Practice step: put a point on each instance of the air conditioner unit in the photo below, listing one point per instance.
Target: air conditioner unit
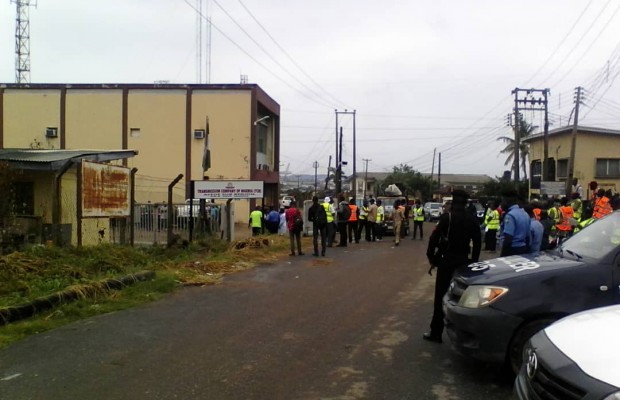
(51, 132)
(199, 134)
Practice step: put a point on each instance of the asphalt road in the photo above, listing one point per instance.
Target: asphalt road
(347, 326)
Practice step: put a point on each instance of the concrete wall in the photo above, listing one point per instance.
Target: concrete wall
(27, 114)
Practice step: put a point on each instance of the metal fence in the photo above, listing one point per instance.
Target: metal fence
(151, 223)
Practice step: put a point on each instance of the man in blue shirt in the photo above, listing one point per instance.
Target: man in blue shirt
(516, 226)
(536, 231)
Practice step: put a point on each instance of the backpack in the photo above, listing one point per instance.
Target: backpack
(320, 216)
(345, 212)
(298, 223)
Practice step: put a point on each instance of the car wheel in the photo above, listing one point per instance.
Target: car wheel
(514, 358)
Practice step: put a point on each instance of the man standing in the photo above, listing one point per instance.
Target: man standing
(342, 215)
(516, 226)
(329, 211)
(272, 220)
(491, 220)
(362, 221)
(448, 248)
(399, 216)
(372, 220)
(318, 215)
(536, 231)
(601, 205)
(379, 223)
(352, 224)
(256, 221)
(418, 219)
(294, 232)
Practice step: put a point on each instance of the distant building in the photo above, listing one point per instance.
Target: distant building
(372, 182)
(169, 125)
(597, 157)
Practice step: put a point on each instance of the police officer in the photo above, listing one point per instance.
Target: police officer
(448, 248)
(516, 228)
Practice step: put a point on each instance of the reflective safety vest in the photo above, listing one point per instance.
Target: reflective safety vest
(537, 212)
(419, 214)
(554, 215)
(353, 216)
(567, 213)
(583, 224)
(328, 211)
(492, 219)
(601, 207)
(363, 212)
(380, 214)
(257, 219)
(577, 207)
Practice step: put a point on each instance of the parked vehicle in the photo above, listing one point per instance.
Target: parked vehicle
(493, 307)
(285, 201)
(575, 358)
(432, 211)
(183, 211)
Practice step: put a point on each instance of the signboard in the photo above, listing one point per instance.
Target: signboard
(228, 189)
(553, 188)
(105, 190)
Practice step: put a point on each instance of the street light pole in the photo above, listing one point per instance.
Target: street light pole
(316, 166)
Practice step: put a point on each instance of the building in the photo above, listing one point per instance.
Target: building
(176, 129)
(596, 157)
(472, 183)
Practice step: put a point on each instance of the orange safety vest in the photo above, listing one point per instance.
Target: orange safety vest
(567, 212)
(601, 207)
(537, 214)
(353, 216)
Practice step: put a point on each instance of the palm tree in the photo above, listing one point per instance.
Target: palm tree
(525, 130)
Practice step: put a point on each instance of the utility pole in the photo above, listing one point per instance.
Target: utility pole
(439, 173)
(432, 173)
(339, 161)
(329, 167)
(366, 160)
(339, 167)
(573, 145)
(22, 40)
(531, 103)
(315, 165)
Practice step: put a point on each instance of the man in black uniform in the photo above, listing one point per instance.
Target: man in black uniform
(448, 249)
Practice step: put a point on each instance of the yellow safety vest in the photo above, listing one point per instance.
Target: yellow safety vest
(419, 214)
(257, 219)
(380, 214)
(330, 216)
(577, 207)
(492, 219)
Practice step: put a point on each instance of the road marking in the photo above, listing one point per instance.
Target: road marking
(8, 378)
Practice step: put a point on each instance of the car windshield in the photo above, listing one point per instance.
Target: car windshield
(479, 207)
(435, 206)
(596, 241)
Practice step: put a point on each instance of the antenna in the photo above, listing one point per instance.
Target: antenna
(203, 32)
(22, 40)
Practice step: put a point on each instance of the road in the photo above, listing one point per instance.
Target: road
(347, 326)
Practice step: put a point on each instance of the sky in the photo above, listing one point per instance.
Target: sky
(421, 75)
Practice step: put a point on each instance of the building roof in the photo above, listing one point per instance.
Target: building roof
(569, 129)
(52, 160)
(454, 179)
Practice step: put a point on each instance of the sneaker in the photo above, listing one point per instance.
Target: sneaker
(429, 336)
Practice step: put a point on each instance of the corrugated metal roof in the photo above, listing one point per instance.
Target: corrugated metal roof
(50, 160)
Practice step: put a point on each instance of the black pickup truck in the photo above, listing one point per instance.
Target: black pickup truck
(493, 307)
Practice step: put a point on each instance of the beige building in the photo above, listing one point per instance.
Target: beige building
(597, 157)
(170, 126)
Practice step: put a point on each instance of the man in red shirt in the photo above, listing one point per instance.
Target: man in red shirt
(293, 214)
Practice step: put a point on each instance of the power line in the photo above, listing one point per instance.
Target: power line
(288, 56)
(327, 103)
(252, 58)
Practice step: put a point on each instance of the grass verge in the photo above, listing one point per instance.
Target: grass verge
(40, 271)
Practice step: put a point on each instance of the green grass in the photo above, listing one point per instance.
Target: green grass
(41, 271)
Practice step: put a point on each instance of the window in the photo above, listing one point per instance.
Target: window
(562, 171)
(24, 198)
(262, 139)
(608, 167)
(134, 132)
(535, 173)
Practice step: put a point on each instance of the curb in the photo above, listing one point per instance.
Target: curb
(15, 313)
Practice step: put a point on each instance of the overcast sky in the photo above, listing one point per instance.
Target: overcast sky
(420, 74)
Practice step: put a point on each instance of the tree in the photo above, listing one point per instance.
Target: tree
(496, 186)
(525, 130)
(409, 181)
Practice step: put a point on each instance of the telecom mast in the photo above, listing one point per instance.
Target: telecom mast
(203, 32)
(22, 40)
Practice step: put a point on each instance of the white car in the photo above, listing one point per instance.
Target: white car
(577, 357)
(286, 201)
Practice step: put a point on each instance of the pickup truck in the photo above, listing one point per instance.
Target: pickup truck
(388, 208)
(493, 307)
